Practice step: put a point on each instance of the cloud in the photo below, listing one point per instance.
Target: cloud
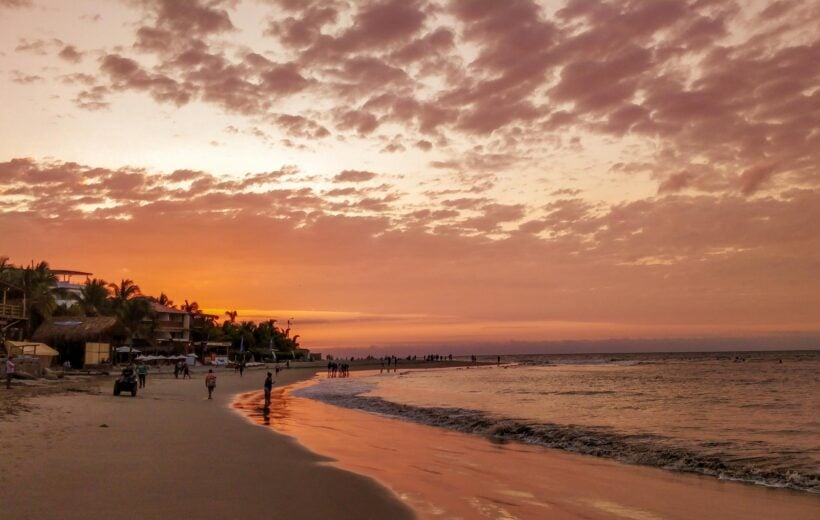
(15, 3)
(22, 78)
(70, 53)
(753, 178)
(645, 261)
(354, 176)
(190, 16)
(39, 46)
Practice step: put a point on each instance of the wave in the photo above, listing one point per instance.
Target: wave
(709, 458)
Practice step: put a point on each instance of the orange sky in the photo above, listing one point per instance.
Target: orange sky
(425, 171)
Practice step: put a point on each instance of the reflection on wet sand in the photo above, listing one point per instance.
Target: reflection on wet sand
(445, 474)
(252, 405)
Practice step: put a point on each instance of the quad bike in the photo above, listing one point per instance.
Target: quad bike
(126, 382)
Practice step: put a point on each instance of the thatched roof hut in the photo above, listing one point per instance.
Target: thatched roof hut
(97, 328)
(82, 341)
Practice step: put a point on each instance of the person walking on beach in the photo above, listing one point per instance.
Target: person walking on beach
(142, 371)
(186, 372)
(9, 371)
(268, 388)
(210, 382)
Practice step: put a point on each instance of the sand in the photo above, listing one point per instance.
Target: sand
(170, 453)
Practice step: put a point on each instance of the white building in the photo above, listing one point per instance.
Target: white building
(71, 282)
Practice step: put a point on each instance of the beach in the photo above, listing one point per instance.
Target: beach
(171, 452)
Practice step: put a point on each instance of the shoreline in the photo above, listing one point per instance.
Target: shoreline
(418, 461)
(170, 452)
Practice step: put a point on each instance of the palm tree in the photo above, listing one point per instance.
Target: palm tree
(94, 297)
(39, 285)
(192, 307)
(5, 267)
(231, 316)
(124, 291)
(133, 312)
(165, 300)
(138, 316)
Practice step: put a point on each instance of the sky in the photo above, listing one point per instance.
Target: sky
(414, 171)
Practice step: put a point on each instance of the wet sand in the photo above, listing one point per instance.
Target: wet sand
(170, 453)
(445, 474)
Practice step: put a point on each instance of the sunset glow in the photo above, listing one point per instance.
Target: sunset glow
(412, 171)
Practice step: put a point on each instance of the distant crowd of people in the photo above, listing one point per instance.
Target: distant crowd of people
(338, 369)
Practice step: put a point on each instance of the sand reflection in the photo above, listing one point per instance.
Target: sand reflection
(446, 474)
(252, 405)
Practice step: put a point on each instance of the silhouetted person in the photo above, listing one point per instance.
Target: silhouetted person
(210, 382)
(9, 370)
(268, 388)
(142, 371)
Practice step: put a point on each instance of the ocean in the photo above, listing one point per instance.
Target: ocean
(752, 417)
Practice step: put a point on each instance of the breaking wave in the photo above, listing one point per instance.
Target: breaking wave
(714, 458)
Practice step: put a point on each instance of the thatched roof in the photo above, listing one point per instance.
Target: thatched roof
(79, 329)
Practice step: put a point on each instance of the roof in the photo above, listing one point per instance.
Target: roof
(78, 329)
(10, 286)
(30, 348)
(69, 272)
(158, 307)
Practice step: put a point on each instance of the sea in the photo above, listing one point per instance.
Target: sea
(751, 417)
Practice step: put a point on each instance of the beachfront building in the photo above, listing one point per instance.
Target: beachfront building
(71, 285)
(13, 316)
(172, 328)
(83, 341)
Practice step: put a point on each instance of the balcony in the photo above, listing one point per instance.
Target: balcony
(12, 311)
(170, 325)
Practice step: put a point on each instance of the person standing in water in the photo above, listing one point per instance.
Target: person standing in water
(268, 388)
(210, 382)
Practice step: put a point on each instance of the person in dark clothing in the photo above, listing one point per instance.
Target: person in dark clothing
(142, 371)
(268, 388)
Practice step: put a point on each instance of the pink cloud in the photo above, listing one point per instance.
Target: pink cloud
(354, 176)
(70, 53)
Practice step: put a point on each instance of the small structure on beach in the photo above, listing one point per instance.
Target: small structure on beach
(40, 351)
(83, 341)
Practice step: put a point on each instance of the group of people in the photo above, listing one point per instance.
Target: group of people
(338, 369)
(395, 364)
(181, 367)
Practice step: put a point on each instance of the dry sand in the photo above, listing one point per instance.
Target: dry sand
(170, 453)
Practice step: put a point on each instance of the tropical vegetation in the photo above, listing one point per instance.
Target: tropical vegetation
(126, 302)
